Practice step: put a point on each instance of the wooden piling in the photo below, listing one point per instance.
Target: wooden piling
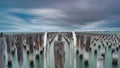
(59, 54)
(100, 62)
(19, 45)
(1, 52)
(114, 58)
(88, 42)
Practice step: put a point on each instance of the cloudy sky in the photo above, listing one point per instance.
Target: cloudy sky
(59, 15)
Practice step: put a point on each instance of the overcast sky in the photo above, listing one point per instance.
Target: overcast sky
(59, 15)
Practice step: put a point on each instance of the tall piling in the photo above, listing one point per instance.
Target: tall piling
(59, 54)
(19, 46)
(1, 51)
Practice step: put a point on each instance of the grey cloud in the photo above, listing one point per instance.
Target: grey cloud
(78, 13)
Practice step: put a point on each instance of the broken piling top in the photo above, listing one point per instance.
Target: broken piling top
(88, 41)
(59, 54)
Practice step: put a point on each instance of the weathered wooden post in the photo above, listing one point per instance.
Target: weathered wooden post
(25, 43)
(87, 49)
(41, 43)
(100, 62)
(77, 44)
(95, 49)
(88, 42)
(8, 41)
(37, 46)
(81, 45)
(103, 52)
(81, 42)
(59, 37)
(59, 54)
(1, 51)
(12, 44)
(114, 58)
(19, 46)
(30, 41)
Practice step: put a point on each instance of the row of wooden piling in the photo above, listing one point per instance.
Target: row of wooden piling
(106, 40)
(18, 42)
